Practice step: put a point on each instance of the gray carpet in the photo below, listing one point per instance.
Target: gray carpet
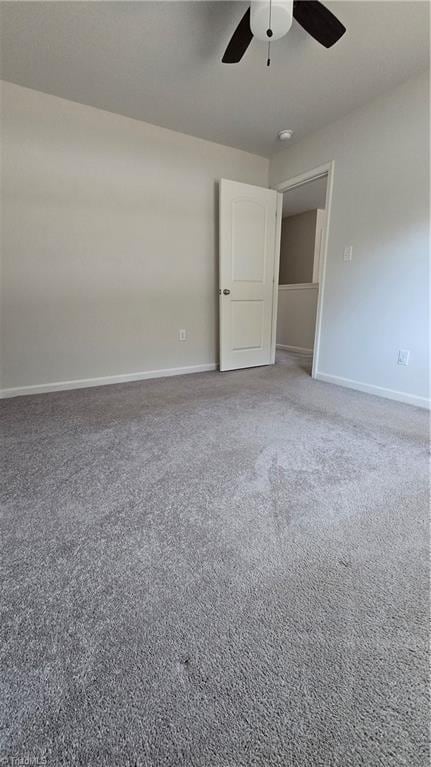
(215, 571)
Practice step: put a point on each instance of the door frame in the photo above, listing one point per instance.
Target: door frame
(328, 169)
(277, 249)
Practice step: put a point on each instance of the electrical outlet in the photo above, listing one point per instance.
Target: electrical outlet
(348, 252)
(403, 357)
(182, 335)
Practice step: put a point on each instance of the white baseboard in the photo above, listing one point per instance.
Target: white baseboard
(296, 349)
(84, 383)
(379, 391)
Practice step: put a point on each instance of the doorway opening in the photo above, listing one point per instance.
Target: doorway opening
(303, 241)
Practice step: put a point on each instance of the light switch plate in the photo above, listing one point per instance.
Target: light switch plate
(403, 357)
(348, 253)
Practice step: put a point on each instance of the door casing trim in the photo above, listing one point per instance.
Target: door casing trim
(328, 169)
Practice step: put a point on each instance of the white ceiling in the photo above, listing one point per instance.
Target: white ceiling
(309, 196)
(160, 62)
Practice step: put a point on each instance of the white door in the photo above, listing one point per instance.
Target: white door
(250, 225)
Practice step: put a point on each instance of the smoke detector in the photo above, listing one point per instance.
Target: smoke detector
(285, 135)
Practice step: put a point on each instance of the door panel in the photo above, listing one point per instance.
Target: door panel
(247, 325)
(248, 241)
(249, 251)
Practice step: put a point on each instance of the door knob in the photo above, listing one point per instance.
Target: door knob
(226, 292)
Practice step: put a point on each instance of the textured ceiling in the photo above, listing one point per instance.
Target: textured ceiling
(160, 62)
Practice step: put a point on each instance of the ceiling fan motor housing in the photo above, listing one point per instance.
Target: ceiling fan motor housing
(275, 17)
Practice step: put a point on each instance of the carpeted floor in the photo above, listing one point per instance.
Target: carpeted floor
(218, 570)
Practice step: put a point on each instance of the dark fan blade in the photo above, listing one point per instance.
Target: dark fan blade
(239, 41)
(318, 21)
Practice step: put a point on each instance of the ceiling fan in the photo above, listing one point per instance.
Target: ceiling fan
(271, 19)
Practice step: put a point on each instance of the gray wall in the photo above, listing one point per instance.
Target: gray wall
(296, 316)
(378, 303)
(109, 241)
(298, 236)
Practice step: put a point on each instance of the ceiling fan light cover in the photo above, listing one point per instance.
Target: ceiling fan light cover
(279, 22)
